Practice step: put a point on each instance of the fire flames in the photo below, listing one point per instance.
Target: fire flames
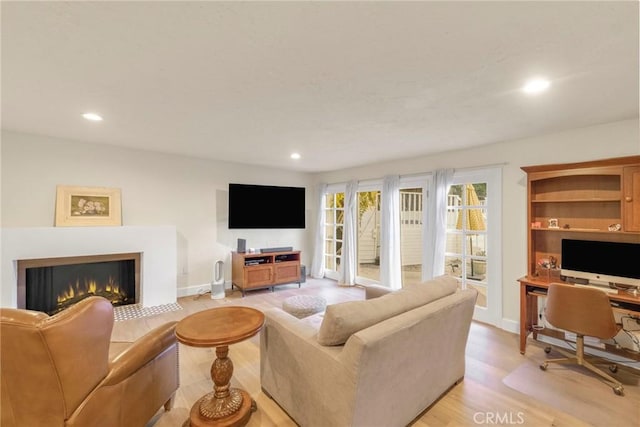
(87, 287)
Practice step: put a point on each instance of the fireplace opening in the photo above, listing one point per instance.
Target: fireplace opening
(57, 283)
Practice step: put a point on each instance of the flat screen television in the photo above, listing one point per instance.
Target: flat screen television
(601, 263)
(266, 206)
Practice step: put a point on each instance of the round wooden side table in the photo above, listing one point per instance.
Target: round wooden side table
(219, 328)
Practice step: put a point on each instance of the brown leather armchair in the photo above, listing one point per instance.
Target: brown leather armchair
(56, 369)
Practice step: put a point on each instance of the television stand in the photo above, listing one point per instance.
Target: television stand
(264, 270)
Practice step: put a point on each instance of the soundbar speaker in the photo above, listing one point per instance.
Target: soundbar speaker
(282, 249)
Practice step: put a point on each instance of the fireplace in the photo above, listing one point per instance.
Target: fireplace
(53, 284)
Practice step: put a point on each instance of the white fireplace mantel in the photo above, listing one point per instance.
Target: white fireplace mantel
(158, 245)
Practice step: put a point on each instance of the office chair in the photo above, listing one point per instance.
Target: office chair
(583, 311)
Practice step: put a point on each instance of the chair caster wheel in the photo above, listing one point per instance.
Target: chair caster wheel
(547, 350)
(543, 366)
(618, 390)
(613, 368)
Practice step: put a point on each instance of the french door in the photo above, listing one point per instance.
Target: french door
(413, 199)
(368, 242)
(333, 232)
(473, 234)
(473, 238)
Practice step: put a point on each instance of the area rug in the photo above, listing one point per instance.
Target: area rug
(597, 402)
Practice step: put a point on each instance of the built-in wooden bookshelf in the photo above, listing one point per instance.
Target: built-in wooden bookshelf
(597, 200)
(587, 201)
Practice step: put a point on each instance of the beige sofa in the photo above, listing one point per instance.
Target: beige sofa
(377, 362)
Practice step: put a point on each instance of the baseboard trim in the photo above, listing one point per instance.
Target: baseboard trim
(509, 325)
(187, 291)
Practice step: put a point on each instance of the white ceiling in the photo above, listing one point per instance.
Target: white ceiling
(343, 84)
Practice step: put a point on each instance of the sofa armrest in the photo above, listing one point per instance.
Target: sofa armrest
(375, 291)
(425, 345)
(307, 379)
(297, 330)
(142, 351)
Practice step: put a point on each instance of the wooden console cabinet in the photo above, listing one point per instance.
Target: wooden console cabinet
(264, 270)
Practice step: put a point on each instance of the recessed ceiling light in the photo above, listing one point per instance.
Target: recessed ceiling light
(92, 116)
(535, 86)
(295, 156)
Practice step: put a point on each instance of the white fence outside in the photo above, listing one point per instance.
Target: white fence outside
(410, 231)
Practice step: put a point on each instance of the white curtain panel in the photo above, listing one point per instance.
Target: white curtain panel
(390, 261)
(436, 221)
(317, 263)
(349, 262)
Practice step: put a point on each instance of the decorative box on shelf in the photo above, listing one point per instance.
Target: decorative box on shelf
(548, 274)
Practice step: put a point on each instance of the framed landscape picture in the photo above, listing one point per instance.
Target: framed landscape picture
(87, 206)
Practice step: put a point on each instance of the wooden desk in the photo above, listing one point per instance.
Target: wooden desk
(220, 327)
(533, 288)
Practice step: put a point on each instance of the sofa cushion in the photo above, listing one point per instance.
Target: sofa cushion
(342, 320)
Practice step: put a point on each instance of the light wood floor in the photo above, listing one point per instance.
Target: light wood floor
(491, 355)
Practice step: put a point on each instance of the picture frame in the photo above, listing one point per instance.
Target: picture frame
(553, 223)
(87, 206)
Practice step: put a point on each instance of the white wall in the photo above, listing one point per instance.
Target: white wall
(160, 189)
(609, 140)
(157, 246)
(157, 189)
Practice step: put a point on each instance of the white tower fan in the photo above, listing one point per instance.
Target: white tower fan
(217, 285)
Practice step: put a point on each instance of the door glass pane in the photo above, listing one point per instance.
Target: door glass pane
(411, 235)
(328, 263)
(329, 247)
(453, 265)
(329, 232)
(476, 269)
(369, 235)
(477, 244)
(453, 243)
